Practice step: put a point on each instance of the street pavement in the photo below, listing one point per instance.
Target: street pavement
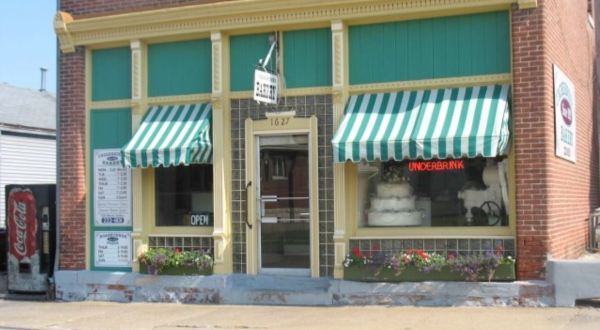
(22, 315)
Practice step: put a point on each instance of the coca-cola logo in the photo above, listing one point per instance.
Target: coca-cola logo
(20, 216)
(22, 223)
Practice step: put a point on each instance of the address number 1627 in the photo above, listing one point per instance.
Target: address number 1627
(279, 121)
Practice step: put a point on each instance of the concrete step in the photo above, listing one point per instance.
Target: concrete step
(292, 290)
(276, 290)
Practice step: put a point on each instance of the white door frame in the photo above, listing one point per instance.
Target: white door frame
(282, 126)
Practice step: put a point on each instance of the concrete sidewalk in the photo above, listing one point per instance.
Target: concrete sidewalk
(19, 315)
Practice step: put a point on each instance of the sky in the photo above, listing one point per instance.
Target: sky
(27, 42)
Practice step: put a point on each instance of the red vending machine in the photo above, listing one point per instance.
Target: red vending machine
(31, 230)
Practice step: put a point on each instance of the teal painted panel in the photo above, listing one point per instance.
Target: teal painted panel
(111, 74)
(245, 51)
(430, 48)
(307, 58)
(179, 68)
(109, 129)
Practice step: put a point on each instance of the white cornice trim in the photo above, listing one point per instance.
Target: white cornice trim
(503, 78)
(246, 14)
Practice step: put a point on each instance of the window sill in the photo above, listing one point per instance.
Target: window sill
(432, 232)
(181, 231)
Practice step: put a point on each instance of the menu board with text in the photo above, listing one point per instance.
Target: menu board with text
(112, 189)
(112, 249)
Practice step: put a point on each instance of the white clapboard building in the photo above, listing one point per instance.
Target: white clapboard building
(27, 139)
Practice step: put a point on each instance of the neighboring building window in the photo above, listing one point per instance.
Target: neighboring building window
(435, 193)
(279, 168)
(184, 195)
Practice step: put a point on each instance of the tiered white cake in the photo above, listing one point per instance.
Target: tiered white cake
(394, 206)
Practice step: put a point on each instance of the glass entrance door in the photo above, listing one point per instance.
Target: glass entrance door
(284, 204)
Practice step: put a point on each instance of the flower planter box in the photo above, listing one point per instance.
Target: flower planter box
(504, 272)
(179, 270)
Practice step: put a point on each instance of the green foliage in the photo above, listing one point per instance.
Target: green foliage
(158, 259)
(471, 267)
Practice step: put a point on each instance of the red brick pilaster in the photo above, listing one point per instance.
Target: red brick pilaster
(72, 160)
(530, 140)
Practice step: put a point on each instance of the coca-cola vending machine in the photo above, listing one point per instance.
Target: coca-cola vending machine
(31, 229)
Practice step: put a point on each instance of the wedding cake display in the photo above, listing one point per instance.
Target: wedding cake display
(394, 204)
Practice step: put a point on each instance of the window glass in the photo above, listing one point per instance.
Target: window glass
(279, 168)
(436, 193)
(184, 195)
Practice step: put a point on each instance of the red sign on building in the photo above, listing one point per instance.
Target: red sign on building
(440, 165)
(22, 223)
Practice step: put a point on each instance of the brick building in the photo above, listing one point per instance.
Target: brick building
(367, 90)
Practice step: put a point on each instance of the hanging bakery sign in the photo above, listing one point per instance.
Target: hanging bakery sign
(564, 116)
(265, 82)
(265, 87)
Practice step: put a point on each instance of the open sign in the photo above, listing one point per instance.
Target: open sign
(201, 219)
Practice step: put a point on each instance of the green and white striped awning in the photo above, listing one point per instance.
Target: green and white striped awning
(424, 124)
(171, 135)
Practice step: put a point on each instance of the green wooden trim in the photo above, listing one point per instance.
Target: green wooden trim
(307, 58)
(108, 129)
(245, 51)
(433, 48)
(179, 68)
(111, 74)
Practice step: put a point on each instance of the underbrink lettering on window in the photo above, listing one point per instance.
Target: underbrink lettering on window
(433, 193)
(184, 195)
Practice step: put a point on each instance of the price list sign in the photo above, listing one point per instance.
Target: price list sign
(112, 249)
(112, 189)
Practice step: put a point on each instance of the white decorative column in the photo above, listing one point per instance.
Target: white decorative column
(137, 111)
(340, 94)
(223, 256)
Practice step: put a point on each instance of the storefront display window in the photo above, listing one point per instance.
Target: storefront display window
(184, 195)
(434, 193)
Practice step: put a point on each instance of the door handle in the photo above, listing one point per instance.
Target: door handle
(248, 185)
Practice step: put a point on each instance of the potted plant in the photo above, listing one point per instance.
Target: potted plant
(484, 267)
(418, 266)
(163, 261)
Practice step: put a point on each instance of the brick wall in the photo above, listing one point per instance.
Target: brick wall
(572, 188)
(72, 160)
(554, 196)
(86, 8)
